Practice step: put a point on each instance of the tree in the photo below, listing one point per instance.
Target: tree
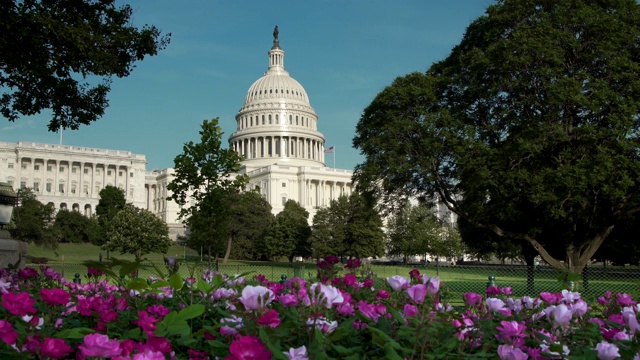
(208, 175)
(290, 232)
(350, 226)
(33, 220)
(414, 230)
(112, 200)
(250, 220)
(532, 116)
(73, 227)
(137, 231)
(61, 55)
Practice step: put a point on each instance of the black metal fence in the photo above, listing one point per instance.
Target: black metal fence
(456, 280)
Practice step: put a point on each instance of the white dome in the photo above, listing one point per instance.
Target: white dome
(276, 123)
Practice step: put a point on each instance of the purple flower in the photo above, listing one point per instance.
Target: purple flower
(410, 310)
(607, 351)
(326, 295)
(433, 285)
(368, 310)
(288, 300)
(507, 290)
(398, 282)
(297, 353)
(472, 299)
(625, 300)
(495, 304)
(417, 293)
(256, 297)
(562, 315)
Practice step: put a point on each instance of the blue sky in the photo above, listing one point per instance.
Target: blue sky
(342, 52)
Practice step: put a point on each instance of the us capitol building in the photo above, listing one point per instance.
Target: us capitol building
(277, 134)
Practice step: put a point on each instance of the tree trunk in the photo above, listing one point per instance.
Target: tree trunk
(529, 255)
(228, 252)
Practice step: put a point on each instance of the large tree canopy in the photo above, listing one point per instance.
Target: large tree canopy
(137, 231)
(534, 115)
(61, 55)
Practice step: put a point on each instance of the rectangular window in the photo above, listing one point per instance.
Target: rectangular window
(36, 167)
(97, 189)
(61, 188)
(36, 186)
(24, 166)
(23, 184)
(284, 200)
(130, 174)
(108, 172)
(10, 165)
(73, 189)
(61, 169)
(49, 168)
(73, 170)
(120, 173)
(48, 187)
(86, 171)
(85, 189)
(97, 171)
(284, 184)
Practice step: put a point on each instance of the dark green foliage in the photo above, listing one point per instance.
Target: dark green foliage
(289, 235)
(137, 231)
(350, 226)
(205, 173)
(61, 55)
(528, 129)
(33, 220)
(73, 227)
(250, 220)
(112, 200)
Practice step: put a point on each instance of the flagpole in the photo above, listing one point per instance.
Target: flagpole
(334, 156)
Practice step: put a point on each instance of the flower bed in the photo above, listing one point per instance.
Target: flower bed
(119, 316)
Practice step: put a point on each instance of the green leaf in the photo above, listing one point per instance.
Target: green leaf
(176, 281)
(137, 285)
(134, 333)
(128, 268)
(159, 284)
(204, 286)
(390, 352)
(191, 311)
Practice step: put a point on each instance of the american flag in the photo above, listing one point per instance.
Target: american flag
(330, 150)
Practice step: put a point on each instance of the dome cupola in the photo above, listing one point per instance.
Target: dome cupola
(276, 123)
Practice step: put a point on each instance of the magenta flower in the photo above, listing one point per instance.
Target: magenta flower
(55, 296)
(410, 310)
(288, 300)
(398, 282)
(256, 297)
(54, 348)
(383, 294)
(417, 293)
(158, 310)
(98, 345)
(607, 351)
(493, 290)
(248, 348)
(297, 353)
(149, 355)
(7, 333)
(27, 273)
(270, 319)
(159, 343)
(146, 322)
(625, 300)
(19, 304)
(415, 274)
(507, 290)
(345, 309)
(508, 352)
(353, 263)
(472, 299)
(511, 332)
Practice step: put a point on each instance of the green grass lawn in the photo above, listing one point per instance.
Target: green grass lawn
(456, 280)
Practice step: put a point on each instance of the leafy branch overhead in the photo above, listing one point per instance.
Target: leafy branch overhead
(61, 55)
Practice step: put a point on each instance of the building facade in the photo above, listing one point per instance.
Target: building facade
(71, 177)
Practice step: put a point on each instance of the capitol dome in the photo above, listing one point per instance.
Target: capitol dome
(276, 123)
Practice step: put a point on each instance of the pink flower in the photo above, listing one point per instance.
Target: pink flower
(472, 299)
(551, 298)
(508, 352)
(493, 290)
(398, 282)
(607, 351)
(149, 355)
(54, 348)
(326, 295)
(350, 280)
(256, 297)
(562, 315)
(55, 296)
(146, 322)
(433, 285)
(625, 300)
(368, 310)
(417, 293)
(507, 290)
(323, 324)
(158, 310)
(270, 319)
(511, 331)
(19, 304)
(288, 300)
(98, 345)
(248, 348)
(410, 310)
(383, 294)
(7, 333)
(297, 353)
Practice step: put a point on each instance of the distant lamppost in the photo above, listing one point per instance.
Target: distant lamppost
(8, 200)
